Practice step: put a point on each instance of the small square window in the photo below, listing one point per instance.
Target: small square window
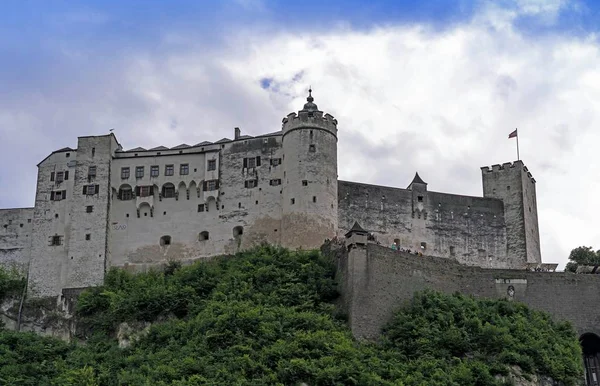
(92, 171)
(201, 208)
(29, 220)
(212, 165)
(304, 183)
(312, 148)
(423, 245)
(89, 209)
(56, 240)
(420, 198)
(184, 169)
(139, 172)
(88, 236)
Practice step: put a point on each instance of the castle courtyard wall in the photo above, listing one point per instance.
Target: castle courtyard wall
(471, 230)
(379, 280)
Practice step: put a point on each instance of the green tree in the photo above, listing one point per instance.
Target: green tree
(582, 256)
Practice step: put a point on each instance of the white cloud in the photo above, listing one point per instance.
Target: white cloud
(407, 98)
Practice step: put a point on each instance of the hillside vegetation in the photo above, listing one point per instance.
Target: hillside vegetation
(265, 317)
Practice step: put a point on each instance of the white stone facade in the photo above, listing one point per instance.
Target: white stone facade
(99, 206)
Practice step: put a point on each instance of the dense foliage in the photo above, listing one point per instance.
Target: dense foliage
(582, 256)
(11, 283)
(265, 317)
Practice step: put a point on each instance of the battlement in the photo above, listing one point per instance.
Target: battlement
(506, 167)
(309, 119)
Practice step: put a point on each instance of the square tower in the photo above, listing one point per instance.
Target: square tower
(514, 185)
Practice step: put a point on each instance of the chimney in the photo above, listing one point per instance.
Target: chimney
(236, 133)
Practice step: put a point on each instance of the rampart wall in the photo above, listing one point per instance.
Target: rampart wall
(376, 281)
(469, 229)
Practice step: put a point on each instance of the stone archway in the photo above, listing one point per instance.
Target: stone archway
(590, 345)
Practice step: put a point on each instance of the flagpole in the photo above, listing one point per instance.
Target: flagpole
(518, 157)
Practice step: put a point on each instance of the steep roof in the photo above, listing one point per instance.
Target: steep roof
(418, 180)
(356, 228)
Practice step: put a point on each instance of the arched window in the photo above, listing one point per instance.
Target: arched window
(125, 193)
(238, 231)
(165, 240)
(203, 236)
(168, 190)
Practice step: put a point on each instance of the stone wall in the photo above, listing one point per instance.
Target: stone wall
(469, 229)
(15, 238)
(379, 280)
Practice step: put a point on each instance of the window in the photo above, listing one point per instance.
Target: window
(211, 185)
(312, 148)
(169, 170)
(29, 220)
(56, 240)
(293, 201)
(93, 151)
(92, 171)
(68, 155)
(508, 187)
(212, 165)
(423, 245)
(90, 190)
(275, 182)
(184, 169)
(168, 191)
(481, 253)
(200, 208)
(154, 171)
(250, 184)
(52, 176)
(420, 198)
(58, 195)
(124, 173)
(165, 240)
(251, 162)
(125, 193)
(311, 134)
(139, 172)
(304, 183)
(88, 236)
(60, 177)
(203, 236)
(144, 191)
(89, 209)
(275, 161)
(238, 231)
(314, 198)
(452, 251)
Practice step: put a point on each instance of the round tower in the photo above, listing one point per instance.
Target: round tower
(309, 210)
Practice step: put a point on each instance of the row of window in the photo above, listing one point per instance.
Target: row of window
(184, 170)
(202, 236)
(168, 190)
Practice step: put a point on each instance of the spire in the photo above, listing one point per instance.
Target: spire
(356, 228)
(310, 106)
(418, 180)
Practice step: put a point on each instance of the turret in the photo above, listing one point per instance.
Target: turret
(309, 196)
(515, 186)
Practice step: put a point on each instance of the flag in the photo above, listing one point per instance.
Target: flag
(513, 134)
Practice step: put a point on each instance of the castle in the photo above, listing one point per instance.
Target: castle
(99, 206)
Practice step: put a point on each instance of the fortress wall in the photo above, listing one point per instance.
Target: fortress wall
(15, 238)
(135, 242)
(382, 280)
(469, 229)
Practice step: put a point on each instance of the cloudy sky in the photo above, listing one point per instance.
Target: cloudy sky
(430, 89)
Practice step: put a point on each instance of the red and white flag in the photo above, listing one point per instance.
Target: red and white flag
(513, 134)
